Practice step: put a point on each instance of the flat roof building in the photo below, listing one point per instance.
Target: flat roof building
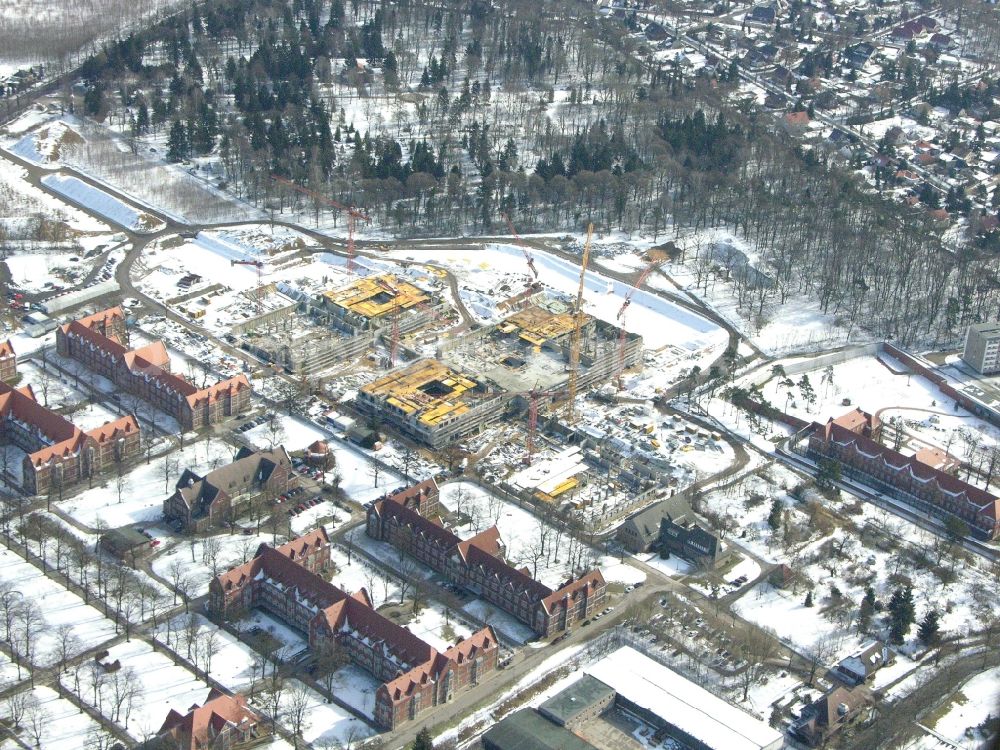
(528, 730)
(982, 348)
(584, 699)
(679, 707)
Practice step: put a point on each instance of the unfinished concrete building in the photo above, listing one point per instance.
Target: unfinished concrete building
(431, 403)
(343, 323)
(530, 350)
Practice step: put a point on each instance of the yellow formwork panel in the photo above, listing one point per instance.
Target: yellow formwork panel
(359, 296)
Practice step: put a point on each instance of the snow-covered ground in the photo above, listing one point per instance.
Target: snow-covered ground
(232, 664)
(103, 203)
(164, 686)
(325, 722)
(293, 433)
(193, 558)
(57, 607)
(60, 724)
(145, 487)
(976, 700)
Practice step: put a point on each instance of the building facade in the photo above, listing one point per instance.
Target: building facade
(223, 722)
(98, 341)
(8, 362)
(285, 581)
(224, 494)
(60, 454)
(408, 520)
(906, 478)
(982, 348)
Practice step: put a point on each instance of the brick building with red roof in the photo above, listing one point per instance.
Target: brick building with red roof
(223, 721)
(60, 454)
(285, 581)
(852, 441)
(410, 521)
(99, 341)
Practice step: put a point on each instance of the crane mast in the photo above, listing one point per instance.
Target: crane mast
(574, 347)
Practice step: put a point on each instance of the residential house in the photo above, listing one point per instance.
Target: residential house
(829, 714)
(862, 665)
(8, 362)
(222, 722)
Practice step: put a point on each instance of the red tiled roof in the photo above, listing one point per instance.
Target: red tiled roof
(984, 502)
(593, 579)
(197, 728)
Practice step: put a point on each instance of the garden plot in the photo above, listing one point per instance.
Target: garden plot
(440, 629)
(837, 563)
(883, 386)
(57, 607)
(103, 203)
(49, 385)
(326, 723)
(521, 531)
(164, 686)
(507, 626)
(54, 723)
(198, 559)
(145, 487)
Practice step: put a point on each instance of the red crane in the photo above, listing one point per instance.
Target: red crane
(621, 319)
(259, 264)
(534, 396)
(352, 214)
(524, 249)
(394, 335)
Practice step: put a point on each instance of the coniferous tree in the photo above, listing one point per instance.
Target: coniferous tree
(177, 142)
(901, 614)
(774, 517)
(423, 740)
(867, 611)
(929, 630)
(809, 598)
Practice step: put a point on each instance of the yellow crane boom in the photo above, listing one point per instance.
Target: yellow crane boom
(574, 347)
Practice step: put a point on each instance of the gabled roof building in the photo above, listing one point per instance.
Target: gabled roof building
(851, 441)
(409, 520)
(199, 502)
(415, 676)
(222, 721)
(99, 342)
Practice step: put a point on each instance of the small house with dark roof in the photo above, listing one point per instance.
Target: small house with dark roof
(862, 665)
(828, 715)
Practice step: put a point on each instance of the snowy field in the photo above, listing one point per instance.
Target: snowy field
(355, 474)
(970, 706)
(146, 486)
(61, 725)
(164, 686)
(193, 558)
(483, 271)
(293, 433)
(232, 664)
(8, 672)
(884, 388)
(57, 607)
(103, 203)
(326, 722)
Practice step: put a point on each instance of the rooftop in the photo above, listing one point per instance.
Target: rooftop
(683, 704)
(427, 389)
(376, 296)
(565, 706)
(528, 730)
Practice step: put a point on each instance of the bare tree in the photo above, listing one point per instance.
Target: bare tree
(210, 550)
(67, 644)
(296, 709)
(754, 646)
(36, 717)
(16, 704)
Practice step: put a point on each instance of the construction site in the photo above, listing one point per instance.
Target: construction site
(340, 324)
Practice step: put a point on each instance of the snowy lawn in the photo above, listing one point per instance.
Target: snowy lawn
(360, 575)
(8, 672)
(324, 722)
(432, 626)
(196, 557)
(506, 625)
(520, 530)
(164, 686)
(61, 727)
(57, 607)
(103, 203)
(356, 476)
(145, 487)
(232, 664)
(976, 700)
(356, 687)
(293, 433)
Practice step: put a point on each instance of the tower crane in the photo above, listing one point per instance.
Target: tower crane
(524, 249)
(352, 214)
(259, 264)
(621, 319)
(574, 347)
